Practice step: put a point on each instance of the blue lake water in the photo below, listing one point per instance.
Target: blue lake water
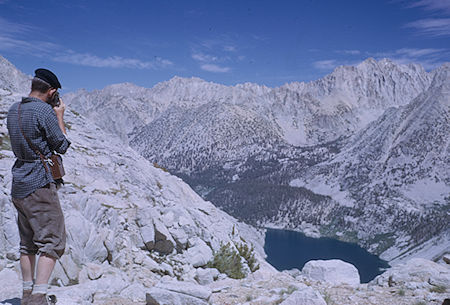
(288, 249)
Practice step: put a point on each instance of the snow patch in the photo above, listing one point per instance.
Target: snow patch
(427, 191)
(292, 133)
(322, 188)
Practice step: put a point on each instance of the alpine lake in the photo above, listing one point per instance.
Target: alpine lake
(289, 249)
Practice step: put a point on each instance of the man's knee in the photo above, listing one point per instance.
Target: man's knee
(53, 253)
(53, 245)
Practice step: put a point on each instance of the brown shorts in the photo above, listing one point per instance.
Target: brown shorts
(41, 222)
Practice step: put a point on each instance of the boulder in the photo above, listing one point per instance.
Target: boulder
(180, 237)
(135, 292)
(178, 293)
(148, 236)
(154, 232)
(111, 283)
(206, 276)
(157, 296)
(304, 296)
(415, 273)
(186, 288)
(446, 258)
(200, 254)
(94, 271)
(335, 272)
(75, 294)
(164, 242)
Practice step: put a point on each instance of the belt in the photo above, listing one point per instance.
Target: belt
(49, 161)
(24, 160)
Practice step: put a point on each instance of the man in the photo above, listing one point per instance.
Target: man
(34, 194)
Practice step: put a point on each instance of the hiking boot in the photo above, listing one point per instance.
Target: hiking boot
(38, 299)
(26, 294)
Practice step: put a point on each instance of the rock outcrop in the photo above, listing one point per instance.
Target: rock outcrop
(416, 273)
(333, 272)
(304, 296)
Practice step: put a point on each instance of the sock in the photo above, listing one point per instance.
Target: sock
(28, 285)
(42, 289)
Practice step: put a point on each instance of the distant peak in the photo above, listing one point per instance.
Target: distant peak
(185, 79)
(442, 76)
(385, 61)
(369, 62)
(122, 86)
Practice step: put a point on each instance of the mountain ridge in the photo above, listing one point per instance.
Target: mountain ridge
(315, 118)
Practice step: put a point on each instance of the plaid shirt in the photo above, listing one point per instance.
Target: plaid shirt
(40, 125)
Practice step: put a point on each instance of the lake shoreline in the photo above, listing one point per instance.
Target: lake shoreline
(288, 249)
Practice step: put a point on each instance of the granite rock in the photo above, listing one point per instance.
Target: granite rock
(333, 271)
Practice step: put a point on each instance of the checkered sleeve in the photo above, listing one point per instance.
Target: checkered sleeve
(55, 137)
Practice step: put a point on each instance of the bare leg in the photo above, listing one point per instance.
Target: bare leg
(27, 264)
(44, 269)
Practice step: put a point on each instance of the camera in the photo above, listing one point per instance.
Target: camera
(54, 101)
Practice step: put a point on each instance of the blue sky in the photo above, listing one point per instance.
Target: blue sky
(91, 44)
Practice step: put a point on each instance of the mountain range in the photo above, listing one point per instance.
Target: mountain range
(359, 155)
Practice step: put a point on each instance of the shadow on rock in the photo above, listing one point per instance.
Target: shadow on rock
(15, 301)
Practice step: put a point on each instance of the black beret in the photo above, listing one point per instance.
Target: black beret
(48, 76)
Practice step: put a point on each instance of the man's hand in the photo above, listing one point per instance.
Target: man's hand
(59, 110)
